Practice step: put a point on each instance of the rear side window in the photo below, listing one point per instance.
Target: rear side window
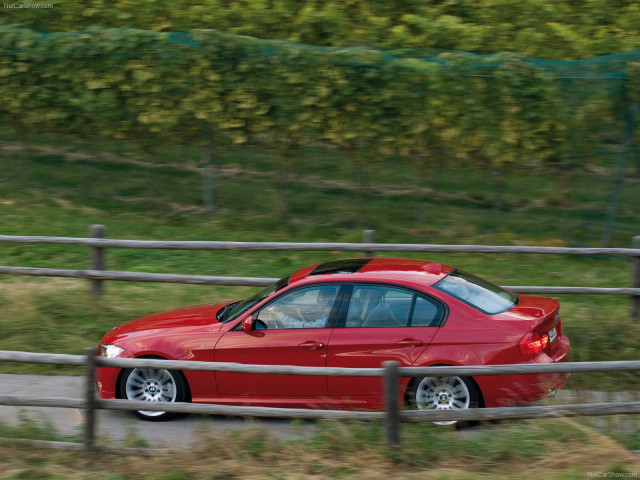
(477, 292)
(383, 306)
(426, 313)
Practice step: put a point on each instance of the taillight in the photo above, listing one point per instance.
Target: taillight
(533, 343)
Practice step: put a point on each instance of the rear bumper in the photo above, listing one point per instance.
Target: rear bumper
(504, 390)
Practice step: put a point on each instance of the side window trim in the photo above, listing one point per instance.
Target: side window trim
(340, 319)
(340, 305)
(412, 308)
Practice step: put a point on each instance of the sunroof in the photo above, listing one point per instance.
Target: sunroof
(349, 265)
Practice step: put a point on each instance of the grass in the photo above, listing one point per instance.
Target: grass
(65, 185)
(562, 449)
(30, 428)
(456, 202)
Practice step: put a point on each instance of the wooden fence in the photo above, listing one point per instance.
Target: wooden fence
(98, 243)
(390, 372)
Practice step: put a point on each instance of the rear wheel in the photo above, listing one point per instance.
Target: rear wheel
(443, 393)
(153, 385)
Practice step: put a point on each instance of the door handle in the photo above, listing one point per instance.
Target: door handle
(311, 345)
(409, 342)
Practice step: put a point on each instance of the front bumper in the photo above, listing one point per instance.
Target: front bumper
(107, 382)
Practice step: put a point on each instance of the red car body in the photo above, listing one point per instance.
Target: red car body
(461, 333)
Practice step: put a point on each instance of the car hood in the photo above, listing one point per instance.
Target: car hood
(195, 316)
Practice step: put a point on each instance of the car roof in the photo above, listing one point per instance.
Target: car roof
(374, 269)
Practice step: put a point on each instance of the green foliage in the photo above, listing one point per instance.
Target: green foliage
(33, 427)
(212, 89)
(562, 29)
(161, 89)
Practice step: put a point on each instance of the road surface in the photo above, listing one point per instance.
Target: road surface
(116, 427)
(120, 428)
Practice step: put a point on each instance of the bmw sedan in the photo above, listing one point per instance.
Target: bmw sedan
(346, 313)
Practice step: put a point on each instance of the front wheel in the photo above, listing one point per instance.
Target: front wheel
(443, 393)
(153, 385)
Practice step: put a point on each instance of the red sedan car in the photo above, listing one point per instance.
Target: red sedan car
(346, 313)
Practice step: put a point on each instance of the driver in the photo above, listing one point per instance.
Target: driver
(324, 301)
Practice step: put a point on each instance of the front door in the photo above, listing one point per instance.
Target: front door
(294, 329)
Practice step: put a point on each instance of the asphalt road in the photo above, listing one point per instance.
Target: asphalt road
(115, 427)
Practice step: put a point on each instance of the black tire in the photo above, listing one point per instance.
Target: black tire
(153, 385)
(443, 393)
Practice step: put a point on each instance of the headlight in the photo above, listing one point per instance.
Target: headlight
(110, 351)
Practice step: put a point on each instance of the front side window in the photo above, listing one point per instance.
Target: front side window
(477, 292)
(237, 309)
(383, 306)
(302, 308)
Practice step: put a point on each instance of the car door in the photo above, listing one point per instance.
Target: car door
(293, 329)
(380, 323)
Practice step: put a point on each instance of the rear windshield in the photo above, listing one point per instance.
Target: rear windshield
(477, 292)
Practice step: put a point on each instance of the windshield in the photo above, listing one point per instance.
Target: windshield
(477, 292)
(241, 307)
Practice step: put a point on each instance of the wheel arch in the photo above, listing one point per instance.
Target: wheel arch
(414, 380)
(153, 357)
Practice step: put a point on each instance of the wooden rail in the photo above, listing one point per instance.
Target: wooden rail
(390, 372)
(317, 247)
(99, 245)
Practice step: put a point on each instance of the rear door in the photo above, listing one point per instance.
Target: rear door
(380, 323)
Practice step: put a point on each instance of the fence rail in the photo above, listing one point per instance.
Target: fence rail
(102, 275)
(98, 274)
(392, 416)
(318, 247)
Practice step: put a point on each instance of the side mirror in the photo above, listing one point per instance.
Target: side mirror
(247, 324)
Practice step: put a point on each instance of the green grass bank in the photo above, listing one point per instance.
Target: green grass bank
(60, 186)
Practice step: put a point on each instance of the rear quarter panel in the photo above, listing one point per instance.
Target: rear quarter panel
(470, 337)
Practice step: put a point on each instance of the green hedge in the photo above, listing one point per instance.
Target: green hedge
(159, 88)
(558, 29)
(211, 88)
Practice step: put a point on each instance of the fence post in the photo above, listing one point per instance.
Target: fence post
(368, 236)
(90, 399)
(391, 404)
(97, 257)
(635, 280)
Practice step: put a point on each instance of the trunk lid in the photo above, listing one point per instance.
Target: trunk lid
(542, 317)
